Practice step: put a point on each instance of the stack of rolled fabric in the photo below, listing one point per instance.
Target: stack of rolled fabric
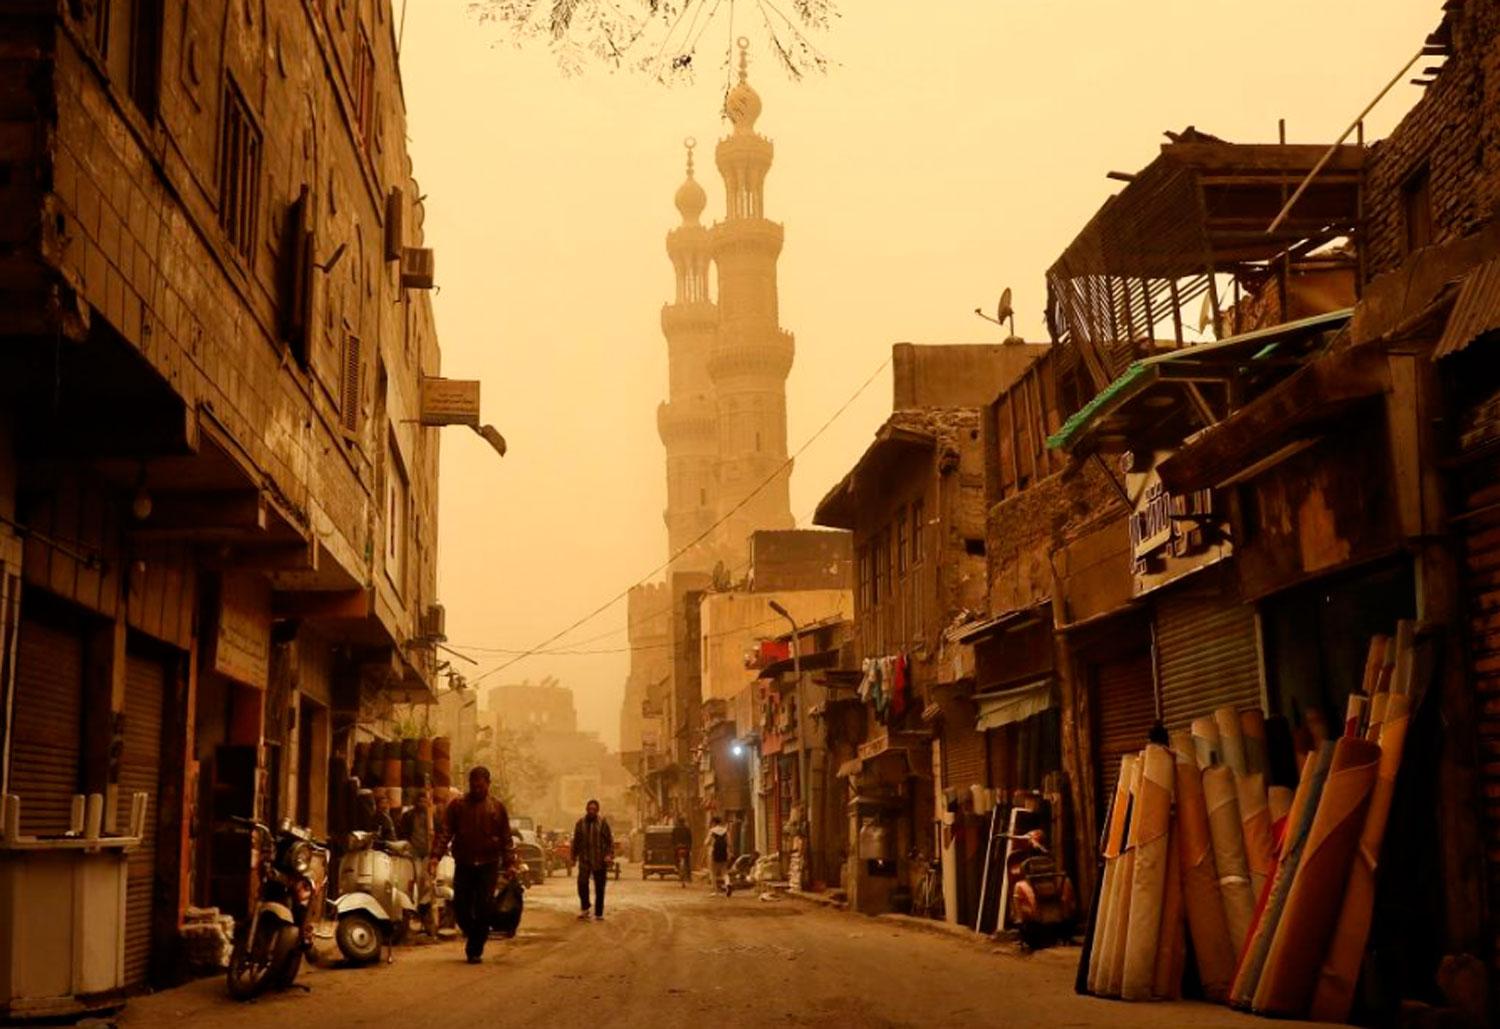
(442, 761)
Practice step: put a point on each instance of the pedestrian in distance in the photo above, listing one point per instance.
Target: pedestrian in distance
(718, 854)
(593, 852)
(478, 828)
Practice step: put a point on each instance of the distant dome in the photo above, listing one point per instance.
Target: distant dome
(690, 199)
(742, 106)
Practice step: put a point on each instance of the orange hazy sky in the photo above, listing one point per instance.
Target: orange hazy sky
(954, 148)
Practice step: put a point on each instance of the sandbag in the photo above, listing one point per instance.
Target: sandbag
(1227, 833)
(1334, 996)
(1299, 823)
(1150, 832)
(1200, 882)
(1312, 905)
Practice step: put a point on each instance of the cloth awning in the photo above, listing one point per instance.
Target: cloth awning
(1013, 705)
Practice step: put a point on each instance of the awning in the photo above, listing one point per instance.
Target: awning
(1205, 361)
(1015, 619)
(904, 746)
(1013, 705)
(1476, 311)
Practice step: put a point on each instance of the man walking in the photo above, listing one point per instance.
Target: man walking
(478, 827)
(593, 851)
(718, 854)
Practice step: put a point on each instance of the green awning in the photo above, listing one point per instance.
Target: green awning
(1260, 344)
(1013, 705)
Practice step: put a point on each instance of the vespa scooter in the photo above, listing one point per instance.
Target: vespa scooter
(291, 868)
(377, 883)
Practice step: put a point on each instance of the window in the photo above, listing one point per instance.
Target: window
(903, 553)
(363, 89)
(239, 171)
(296, 274)
(918, 530)
(395, 525)
(351, 375)
(1416, 208)
(127, 34)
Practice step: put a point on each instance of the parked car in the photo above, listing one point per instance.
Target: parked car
(529, 852)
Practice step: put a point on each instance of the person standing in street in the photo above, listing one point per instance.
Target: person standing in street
(593, 851)
(478, 828)
(718, 854)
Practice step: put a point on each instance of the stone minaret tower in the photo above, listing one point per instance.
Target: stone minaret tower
(751, 355)
(686, 422)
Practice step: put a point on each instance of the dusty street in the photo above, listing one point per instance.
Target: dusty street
(665, 956)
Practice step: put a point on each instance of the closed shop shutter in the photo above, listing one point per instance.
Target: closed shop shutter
(1482, 582)
(47, 742)
(140, 772)
(1209, 659)
(1125, 703)
(964, 757)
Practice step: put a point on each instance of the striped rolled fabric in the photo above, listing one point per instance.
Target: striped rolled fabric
(1200, 881)
(1227, 833)
(1151, 831)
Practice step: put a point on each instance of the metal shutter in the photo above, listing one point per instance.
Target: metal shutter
(963, 758)
(1208, 654)
(47, 741)
(140, 772)
(1125, 700)
(1482, 582)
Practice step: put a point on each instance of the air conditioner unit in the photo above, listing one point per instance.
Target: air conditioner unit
(416, 268)
(434, 623)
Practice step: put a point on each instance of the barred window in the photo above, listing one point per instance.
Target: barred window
(239, 171)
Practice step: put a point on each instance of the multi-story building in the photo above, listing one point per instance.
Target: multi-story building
(217, 502)
(541, 719)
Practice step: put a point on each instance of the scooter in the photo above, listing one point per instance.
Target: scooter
(377, 881)
(1042, 906)
(292, 868)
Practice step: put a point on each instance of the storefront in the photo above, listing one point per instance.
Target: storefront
(889, 808)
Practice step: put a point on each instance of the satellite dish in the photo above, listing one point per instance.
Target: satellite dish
(1003, 313)
(1003, 310)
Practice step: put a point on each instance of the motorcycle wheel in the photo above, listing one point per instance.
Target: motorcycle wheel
(289, 956)
(359, 938)
(250, 963)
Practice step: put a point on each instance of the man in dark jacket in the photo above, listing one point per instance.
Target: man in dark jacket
(594, 851)
(478, 827)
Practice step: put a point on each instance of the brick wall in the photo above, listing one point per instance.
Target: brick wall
(1454, 130)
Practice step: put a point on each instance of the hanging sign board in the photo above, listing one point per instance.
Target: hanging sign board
(450, 401)
(1170, 535)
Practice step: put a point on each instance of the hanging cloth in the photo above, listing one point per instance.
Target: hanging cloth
(898, 686)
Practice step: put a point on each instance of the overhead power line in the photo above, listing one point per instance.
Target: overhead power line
(616, 598)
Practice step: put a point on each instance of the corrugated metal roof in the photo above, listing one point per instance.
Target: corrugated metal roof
(1475, 312)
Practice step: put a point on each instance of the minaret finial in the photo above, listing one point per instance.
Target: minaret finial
(688, 144)
(744, 45)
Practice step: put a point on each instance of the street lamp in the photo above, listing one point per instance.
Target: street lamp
(802, 738)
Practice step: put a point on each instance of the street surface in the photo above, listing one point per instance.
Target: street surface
(666, 956)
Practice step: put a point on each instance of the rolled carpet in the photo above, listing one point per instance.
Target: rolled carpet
(1253, 733)
(392, 774)
(442, 774)
(1312, 905)
(424, 749)
(1227, 833)
(408, 771)
(442, 748)
(1334, 994)
(409, 749)
(1255, 823)
(1200, 882)
(1231, 739)
(1114, 842)
(1150, 830)
(1171, 947)
(1299, 822)
(1205, 733)
(1120, 923)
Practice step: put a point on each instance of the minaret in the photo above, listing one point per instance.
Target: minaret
(686, 421)
(751, 355)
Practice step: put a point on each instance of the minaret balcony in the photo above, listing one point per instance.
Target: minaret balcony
(680, 425)
(757, 236)
(695, 316)
(762, 358)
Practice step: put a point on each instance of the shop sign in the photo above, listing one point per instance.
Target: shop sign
(1170, 534)
(242, 638)
(450, 401)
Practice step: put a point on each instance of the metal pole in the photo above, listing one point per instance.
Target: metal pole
(984, 883)
(1328, 154)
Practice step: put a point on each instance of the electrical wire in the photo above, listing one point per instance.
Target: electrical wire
(784, 467)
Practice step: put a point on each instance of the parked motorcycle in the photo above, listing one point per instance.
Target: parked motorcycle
(377, 883)
(292, 869)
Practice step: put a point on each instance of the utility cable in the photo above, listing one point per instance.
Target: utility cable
(784, 467)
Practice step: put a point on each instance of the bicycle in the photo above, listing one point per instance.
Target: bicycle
(928, 900)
